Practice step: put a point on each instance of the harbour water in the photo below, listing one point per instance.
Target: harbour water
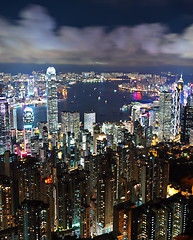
(103, 98)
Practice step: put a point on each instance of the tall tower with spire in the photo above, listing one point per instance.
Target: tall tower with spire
(52, 100)
(177, 102)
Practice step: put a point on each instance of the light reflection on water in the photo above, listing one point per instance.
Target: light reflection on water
(103, 98)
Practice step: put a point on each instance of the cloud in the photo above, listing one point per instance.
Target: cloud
(34, 38)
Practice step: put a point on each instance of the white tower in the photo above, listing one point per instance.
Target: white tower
(52, 100)
(177, 100)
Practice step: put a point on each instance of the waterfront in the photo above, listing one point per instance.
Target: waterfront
(103, 98)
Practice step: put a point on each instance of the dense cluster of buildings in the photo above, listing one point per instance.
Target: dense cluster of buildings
(97, 181)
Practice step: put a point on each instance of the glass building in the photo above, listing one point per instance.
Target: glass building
(70, 123)
(31, 85)
(4, 125)
(28, 120)
(165, 105)
(89, 120)
(52, 100)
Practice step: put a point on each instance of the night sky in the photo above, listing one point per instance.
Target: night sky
(97, 34)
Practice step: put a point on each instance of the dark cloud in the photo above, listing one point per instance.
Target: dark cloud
(35, 39)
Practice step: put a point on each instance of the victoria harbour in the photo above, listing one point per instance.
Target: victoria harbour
(104, 98)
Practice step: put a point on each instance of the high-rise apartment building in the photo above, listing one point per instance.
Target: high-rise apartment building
(89, 120)
(162, 219)
(34, 220)
(165, 104)
(52, 102)
(6, 219)
(73, 202)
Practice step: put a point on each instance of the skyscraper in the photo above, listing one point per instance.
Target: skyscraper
(28, 120)
(4, 125)
(89, 120)
(165, 116)
(70, 123)
(186, 124)
(177, 101)
(31, 85)
(52, 102)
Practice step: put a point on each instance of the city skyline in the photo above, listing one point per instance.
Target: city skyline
(119, 171)
(111, 38)
(96, 120)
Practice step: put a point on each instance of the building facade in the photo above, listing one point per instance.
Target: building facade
(52, 101)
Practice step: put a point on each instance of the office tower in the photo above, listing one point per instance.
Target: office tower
(31, 85)
(13, 139)
(71, 151)
(89, 120)
(186, 124)
(177, 101)
(70, 123)
(86, 142)
(118, 133)
(107, 128)
(190, 100)
(138, 134)
(165, 116)
(96, 133)
(28, 121)
(4, 126)
(28, 117)
(22, 92)
(34, 220)
(43, 133)
(42, 127)
(52, 100)
(13, 117)
(101, 144)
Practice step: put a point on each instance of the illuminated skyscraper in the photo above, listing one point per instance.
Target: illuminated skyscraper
(89, 120)
(4, 125)
(22, 92)
(28, 120)
(186, 124)
(28, 117)
(13, 117)
(31, 85)
(177, 101)
(52, 101)
(70, 123)
(165, 116)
